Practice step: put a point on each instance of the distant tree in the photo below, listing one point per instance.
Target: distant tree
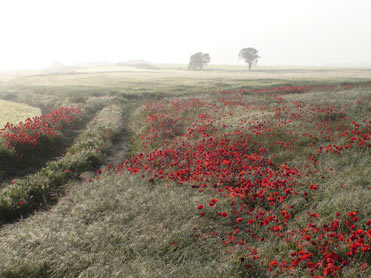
(199, 60)
(250, 56)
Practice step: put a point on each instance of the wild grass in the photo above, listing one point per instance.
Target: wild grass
(135, 225)
(116, 226)
(14, 164)
(85, 154)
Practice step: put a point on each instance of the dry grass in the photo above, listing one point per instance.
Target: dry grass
(117, 226)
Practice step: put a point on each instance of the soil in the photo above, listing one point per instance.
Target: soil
(119, 150)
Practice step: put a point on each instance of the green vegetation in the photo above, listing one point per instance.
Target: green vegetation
(126, 220)
(15, 112)
(85, 154)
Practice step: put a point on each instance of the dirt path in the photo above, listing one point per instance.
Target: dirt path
(119, 151)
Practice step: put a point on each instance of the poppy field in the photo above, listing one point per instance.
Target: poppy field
(265, 159)
(28, 135)
(257, 178)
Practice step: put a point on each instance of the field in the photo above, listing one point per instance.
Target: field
(15, 112)
(166, 172)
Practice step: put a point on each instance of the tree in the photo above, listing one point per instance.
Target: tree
(250, 56)
(199, 60)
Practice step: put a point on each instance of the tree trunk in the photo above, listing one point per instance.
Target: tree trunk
(250, 66)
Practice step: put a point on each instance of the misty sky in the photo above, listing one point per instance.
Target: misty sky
(36, 33)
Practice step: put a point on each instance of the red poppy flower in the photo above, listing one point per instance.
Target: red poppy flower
(273, 263)
(200, 207)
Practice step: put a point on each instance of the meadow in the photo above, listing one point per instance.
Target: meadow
(166, 172)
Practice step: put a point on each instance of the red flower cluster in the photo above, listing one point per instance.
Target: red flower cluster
(197, 142)
(27, 134)
(329, 247)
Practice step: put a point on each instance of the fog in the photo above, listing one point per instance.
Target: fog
(37, 33)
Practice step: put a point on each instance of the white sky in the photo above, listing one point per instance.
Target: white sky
(35, 33)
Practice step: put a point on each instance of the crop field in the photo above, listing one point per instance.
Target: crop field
(165, 172)
(15, 112)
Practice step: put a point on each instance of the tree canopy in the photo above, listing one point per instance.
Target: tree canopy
(250, 56)
(199, 60)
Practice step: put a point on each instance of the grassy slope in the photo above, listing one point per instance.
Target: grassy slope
(123, 226)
